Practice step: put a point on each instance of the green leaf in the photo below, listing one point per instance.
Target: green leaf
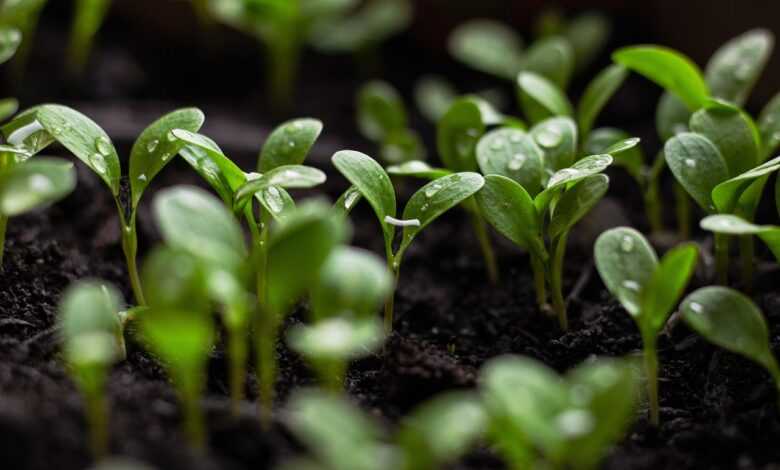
(372, 24)
(671, 116)
(596, 95)
(540, 98)
(374, 185)
(625, 150)
(277, 201)
(285, 176)
(10, 39)
(769, 127)
(434, 95)
(417, 169)
(347, 201)
(289, 144)
(733, 132)
(8, 107)
(626, 263)
(436, 198)
(726, 195)
(732, 321)
(175, 279)
(35, 183)
(85, 139)
(667, 284)
(552, 58)
(352, 282)
(697, 164)
(205, 157)
(734, 68)
(569, 176)
(337, 338)
(457, 134)
(576, 202)
(156, 145)
(89, 322)
(509, 208)
(26, 133)
(668, 68)
(380, 110)
(588, 34)
(402, 145)
(487, 46)
(733, 225)
(192, 220)
(514, 154)
(297, 250)
(557, 137)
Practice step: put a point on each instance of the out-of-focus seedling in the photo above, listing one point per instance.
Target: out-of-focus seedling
(89, 16)
(736, 226)
(539, 419)
(428, 203)
(92, 342)
(352, 286)
(21, 15)
(732, 321)
(647, 288)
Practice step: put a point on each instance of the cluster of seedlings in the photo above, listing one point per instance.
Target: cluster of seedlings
(530, 178)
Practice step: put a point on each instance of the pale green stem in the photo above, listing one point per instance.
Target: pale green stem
(722, 258)
(267, 330)
(556, 280)
(651, 372)
(283, 55)
(394, 264)
(237, 345)
(194, 426)
(97, 418)
(653, 206)
(130, 249)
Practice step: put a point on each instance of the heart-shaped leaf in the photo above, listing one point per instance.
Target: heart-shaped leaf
(557, 137)
(285, 176)
(668, 68)
(596, 95)
(540, 98)
(289, 144)
(487, 46)
(735, 67)
(34, 184)
(576, 202)
(156, 145)
(85, 139)
(552, 58)
(697, 165)
(511, 211)
(514, 154)
(457, 134)
(733, 132)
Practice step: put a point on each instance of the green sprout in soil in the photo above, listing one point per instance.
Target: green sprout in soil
(534, 214)
(92, 342)
(732, 321)
(38, 127)
(89, 16)
(432, 435)
(370, 181)
(539, 419)
(647, 288)
(351, 288)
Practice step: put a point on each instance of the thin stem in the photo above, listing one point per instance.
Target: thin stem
(722, 258)
(480, 230)
(683, 211)
(130, 249)
(394, 264)
(265, 346)
(283, 55)
(556, 280)
(238, 353)
(332, 372)
(194, 426)
(97, 417)
(540, 284)
(747, 253)
(651, 371)
(3, 228)
(653, 206)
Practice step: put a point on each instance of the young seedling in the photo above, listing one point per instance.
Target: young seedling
(534, 215)
(179, 329)
(434, 434)
(647, 288)
(89, 16)
(38, 127)
(21, 15)
(539, 419)
(425, 205)
(732, 321)
(352, 286)
(382, 118)
(736, 226)
(92, 342)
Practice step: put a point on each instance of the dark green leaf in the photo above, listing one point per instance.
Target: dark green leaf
(733, 132)
(698, 165)
(402, 145)
(540, 98)
(34, 184)
(576, 202)
(514, 154)
(727, 194)
(10, 39)
(557, 137)
(568, 176)
(277, 201)
(671, 116)
(457, 134)
(511, 211)
(736, 66)
(769, 127)
(596, 95)
(289, 144)
(625, 150)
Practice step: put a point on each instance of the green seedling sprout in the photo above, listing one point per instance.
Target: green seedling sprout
(731, 320)
(351, 288)
(429, 202)
(534, 211)
(92, 342)
(433, 96)
(382, 118)
(539, 419)
(89, 16)
(10, 40)
(647, 288)
(178, 327)
(21, 15)
(434, 434)
(737, 226)
(40, 126)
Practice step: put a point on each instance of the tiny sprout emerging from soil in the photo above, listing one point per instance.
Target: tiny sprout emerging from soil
(425, 205)
(434, 434)
(92, 342)
(731, 320)
(352, 286)
(89, 16)
(382, 119)
(535, 214)
(539, 419)
(648, 289)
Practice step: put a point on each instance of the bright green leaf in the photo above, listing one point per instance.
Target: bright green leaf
(576, 202)
(509, 208)
(540, 98)
(289, 144)
(596, 95)
(667, 284)
(35, 183)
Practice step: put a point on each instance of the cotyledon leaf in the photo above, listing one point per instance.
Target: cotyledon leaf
(557, 137)
(733, 132)
(35, 183)
(733, 225)
(417, 169)
(289, 144)
(457, 134)
(596, 95)
(697, 164)
(514, 154)
(540, 98)
(509, 208)
(726, 194)
(769, 127)
(735, 67)
(285, 176)
(229, 172)
(569, 176)
(576, 202)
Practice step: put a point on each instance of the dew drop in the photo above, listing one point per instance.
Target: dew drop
(742, 72)
(142, 177)
(56, 130)
(631, 285)
(273, 199)
(627, 244)
(39, 183)
(351, 199)
(472, 132)
(573, 423)
(515, 138)
(291, 144)
(517, 162)
(496, 145)
(431, 190)
(97, 162)
(696, 307)
(690, 162)
(549, 138)
(103, 146)
(165, 156)
(151, 146)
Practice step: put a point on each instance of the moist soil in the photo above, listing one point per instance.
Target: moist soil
(718, 411)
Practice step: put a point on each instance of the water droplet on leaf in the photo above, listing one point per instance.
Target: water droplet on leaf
(627, 244)
(549, 138)
(103, 146)
(151, 146)
(97, 162)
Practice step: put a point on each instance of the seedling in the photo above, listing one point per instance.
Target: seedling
(539, 419)
(38, 127)
(434, 434)
(733, 225)
(89, 16)
(732, 321)
(21, 15)
(648, 289)
(382, 118)
(92, 342)
(352, 286)
(535, 215)
(428, 203)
